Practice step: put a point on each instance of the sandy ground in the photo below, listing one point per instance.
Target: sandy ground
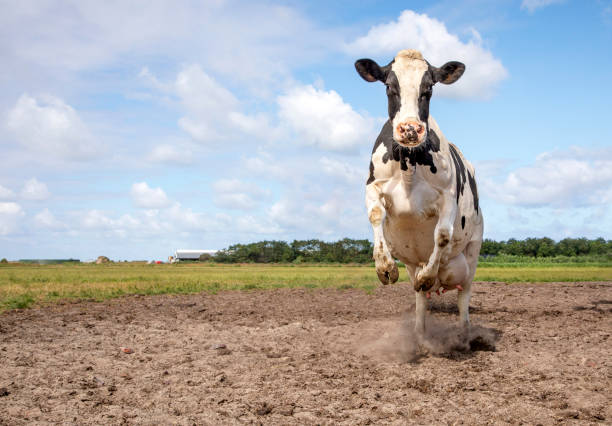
(541, 354)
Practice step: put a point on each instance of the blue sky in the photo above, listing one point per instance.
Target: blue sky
(131, 129)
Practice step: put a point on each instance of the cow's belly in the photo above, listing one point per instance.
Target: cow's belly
(411, 241)
(411, 221)
(413, 244)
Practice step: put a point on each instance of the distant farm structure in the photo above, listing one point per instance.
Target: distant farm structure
(188, 254)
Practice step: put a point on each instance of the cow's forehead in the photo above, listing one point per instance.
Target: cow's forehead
(408, 54)
(409, 67)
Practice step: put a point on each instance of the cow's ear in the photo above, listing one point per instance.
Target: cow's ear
(370, 71)
(449, 72)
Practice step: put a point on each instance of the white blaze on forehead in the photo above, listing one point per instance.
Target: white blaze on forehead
(409, 68)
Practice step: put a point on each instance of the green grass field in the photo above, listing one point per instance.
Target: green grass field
(24, 285)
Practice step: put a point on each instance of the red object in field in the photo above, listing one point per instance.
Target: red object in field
(158, 262)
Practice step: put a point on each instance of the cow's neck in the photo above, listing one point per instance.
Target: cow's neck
(422, 155)
(408, 176)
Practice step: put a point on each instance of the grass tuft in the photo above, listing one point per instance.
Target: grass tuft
(20, 301)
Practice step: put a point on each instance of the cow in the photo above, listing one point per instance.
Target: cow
(421, 195)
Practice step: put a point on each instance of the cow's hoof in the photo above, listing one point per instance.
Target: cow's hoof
(424, 283)
(389, 274)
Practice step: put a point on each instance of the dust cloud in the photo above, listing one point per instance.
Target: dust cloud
(396, 341)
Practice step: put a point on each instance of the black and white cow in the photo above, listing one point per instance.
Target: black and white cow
(421, 194)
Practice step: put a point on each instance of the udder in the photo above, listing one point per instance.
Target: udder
(454, 273)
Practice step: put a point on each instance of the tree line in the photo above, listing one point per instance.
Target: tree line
(360, 251)
(546, 247)
(299, 251)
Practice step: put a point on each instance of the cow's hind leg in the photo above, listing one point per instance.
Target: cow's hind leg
(420, 306)
(420, 312)
(463, 302)
(471, 253)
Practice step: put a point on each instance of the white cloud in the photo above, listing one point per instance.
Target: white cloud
(200, 92)
(212, 112)
(149, 198)
(96, 219)
(337, 215)
(532, 5)
(235, 194)
(35, 190)
(248, 225)
(573, 178)
(47, 126)
(75, 35)
(344, 171)
(181, 218)
(46, 219)
(323, 119)
(207, 103)
(6, 193)
(256, 125)
(10, 213)
(268, 166)
(170, 154)
(430, 36)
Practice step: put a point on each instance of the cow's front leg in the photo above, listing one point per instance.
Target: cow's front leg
(386, 269)
(428, 274)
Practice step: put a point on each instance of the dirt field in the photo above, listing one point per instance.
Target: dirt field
(541, 353)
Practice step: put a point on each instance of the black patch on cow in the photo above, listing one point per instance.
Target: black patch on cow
(371, 177)
(425, 92)
(421, 155)
(384, 137)
(393, 94)
(472, 182)
(459, 170)
(462, 222)
(460, 175)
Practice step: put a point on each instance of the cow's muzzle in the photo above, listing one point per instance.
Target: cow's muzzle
(409, 133)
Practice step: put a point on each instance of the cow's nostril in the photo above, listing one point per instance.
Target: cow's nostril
(410, 131)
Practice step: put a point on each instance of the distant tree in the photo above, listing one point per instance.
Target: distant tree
(513, 247)
(546, 248)
(599, 246)
(4, 260)
(491, 248)
(205, 257)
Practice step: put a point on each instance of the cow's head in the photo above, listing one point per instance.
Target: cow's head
(409, 80)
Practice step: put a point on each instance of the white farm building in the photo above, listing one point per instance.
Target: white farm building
(185, 254)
